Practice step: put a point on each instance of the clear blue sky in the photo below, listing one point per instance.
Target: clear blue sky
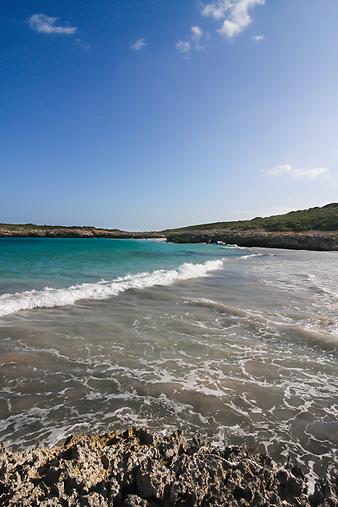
(144, 114)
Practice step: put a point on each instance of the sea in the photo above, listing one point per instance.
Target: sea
(239, 344)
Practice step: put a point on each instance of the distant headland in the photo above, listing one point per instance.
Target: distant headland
(311, 229)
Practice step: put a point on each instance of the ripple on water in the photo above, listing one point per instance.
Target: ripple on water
(204, 355)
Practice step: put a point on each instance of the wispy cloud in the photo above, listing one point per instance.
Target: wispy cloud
(138, 44)
(258, 38)
(197, 33)
(184, 47)
(192, 42)
(79, 43)
(50, 25)
(299, 174)
(234, 15)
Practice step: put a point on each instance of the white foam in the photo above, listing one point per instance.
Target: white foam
(49, 297)
(231, 246)
(245, 257)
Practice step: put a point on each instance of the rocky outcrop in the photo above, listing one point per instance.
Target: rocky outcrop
(49, 231)
(137, 468)
(310, 240)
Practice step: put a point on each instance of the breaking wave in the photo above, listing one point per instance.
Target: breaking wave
(49, 297)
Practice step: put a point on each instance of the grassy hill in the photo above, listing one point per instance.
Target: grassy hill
(313, 219)
(323, 218)
(34, 227)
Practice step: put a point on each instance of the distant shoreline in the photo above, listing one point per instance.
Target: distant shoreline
(310, 240)
(307, 240)
(311, 229)
(55, 231)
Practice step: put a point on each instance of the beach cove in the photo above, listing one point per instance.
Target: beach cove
(237, 344)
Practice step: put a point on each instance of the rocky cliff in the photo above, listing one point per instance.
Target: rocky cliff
(310, 240)
(50, 231)
(311, 229)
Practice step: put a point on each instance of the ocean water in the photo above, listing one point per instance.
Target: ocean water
(241, 344)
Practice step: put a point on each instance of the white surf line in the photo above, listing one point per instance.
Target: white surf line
(49, 297)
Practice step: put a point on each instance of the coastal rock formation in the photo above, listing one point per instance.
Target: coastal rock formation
(310, 240)
(51, 231)
(137, 468)
(312, 229)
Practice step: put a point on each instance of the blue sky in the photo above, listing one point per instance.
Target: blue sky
(145, 114)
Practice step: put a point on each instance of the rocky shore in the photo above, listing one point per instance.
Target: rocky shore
(51, 231)
(310, 229)
(137, 468)
(310, 240)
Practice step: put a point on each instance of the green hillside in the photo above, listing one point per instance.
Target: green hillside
(319, 219)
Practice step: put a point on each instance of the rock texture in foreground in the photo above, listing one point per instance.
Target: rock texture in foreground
(137, 468)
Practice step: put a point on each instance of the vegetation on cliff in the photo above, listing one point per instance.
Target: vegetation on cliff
(57, 231)
(311, 229)
(323, 218)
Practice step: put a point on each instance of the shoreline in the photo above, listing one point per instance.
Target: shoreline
(308, 229)
(139, 468)
(55, 231)
(309, 240)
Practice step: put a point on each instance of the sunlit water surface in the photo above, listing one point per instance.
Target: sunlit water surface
(245, 351)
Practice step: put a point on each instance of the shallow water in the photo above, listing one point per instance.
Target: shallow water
(242, 347)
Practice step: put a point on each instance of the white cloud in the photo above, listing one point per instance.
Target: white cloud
(138, 44)
(49, 25)
(311, 174)
(216, 10)
(184, 47)
(229, 29)
(197, 32)
(194, 41)
(279, 169)
(258, 38)
(299, 174)
(234, 14)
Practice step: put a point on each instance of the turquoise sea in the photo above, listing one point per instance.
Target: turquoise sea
(47, 272)
(99, 334)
